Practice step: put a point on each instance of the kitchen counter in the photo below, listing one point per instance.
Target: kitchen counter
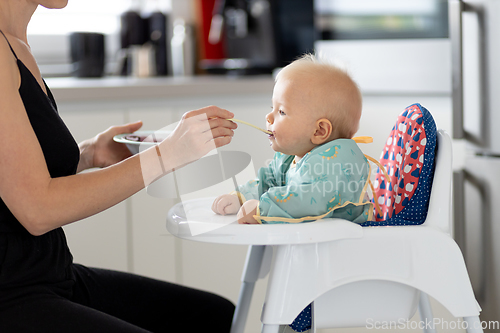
(125, 88)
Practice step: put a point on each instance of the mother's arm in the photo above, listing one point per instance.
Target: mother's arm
(41, 203)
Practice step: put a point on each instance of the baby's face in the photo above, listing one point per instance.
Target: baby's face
(292, 119)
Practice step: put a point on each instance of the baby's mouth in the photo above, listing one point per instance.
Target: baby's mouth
(271, 138)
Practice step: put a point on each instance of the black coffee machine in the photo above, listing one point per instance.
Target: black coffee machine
(138, 30)
(260, 35)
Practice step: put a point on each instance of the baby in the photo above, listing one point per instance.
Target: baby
(318, 171)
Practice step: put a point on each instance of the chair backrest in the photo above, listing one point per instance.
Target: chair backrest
(409, 158)
(439, 211)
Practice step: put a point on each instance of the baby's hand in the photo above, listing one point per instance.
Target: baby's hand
(226, 204)
(247, 211)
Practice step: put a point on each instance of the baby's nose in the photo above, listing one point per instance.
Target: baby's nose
(269, 118)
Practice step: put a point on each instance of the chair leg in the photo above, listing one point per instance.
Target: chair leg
(425, 311)
(242, 307)
(473, 324)
(251, 271)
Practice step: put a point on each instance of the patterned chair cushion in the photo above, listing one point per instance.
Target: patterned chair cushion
(408, 157)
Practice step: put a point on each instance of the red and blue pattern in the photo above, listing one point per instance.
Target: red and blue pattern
(408, 157)
(403, 158)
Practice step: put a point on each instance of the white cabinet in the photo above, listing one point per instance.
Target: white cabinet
(380, 114)
(101, 240)
(155, 252)
(394, 66)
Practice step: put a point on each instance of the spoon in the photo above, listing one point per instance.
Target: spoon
(251, 125)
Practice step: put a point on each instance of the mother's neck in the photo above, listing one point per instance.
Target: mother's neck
(15, 16)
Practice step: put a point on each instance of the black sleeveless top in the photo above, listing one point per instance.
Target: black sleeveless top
(25, 258)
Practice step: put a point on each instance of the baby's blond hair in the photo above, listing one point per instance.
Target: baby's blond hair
(339, 94)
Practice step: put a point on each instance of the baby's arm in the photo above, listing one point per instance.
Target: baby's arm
(247, 212)
(247, 196)
(226, 204)
(229, 204)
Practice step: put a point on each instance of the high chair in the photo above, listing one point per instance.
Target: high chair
(347, 275)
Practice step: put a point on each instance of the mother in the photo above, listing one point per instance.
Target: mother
(41, 290)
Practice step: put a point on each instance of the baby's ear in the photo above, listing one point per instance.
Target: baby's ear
(323, 131)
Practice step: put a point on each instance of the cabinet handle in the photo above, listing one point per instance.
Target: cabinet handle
(455, 10)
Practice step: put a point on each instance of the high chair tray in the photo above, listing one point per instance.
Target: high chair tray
(195, 220)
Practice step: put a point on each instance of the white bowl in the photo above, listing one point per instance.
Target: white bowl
(147, 136)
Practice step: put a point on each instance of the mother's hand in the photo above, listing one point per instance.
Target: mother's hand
(102, 151)
(197, 133)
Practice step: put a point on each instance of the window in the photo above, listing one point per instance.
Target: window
(382, 19)
(79, 15)
(49, 29)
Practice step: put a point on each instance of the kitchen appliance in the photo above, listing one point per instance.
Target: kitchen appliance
(132, 34)
(87, 54)
(475, 37)
(182, 49)
(157, 23)
(144, 48)
(260, 35)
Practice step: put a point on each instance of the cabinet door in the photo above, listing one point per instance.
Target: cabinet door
(482, 249)
(155, 251)
(100, 240)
